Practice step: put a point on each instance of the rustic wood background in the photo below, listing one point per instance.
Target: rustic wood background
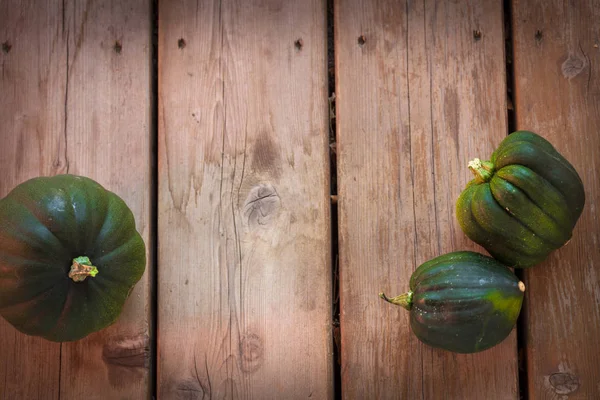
(211, 119)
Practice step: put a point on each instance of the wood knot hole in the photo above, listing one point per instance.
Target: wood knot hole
(538, 35)
(251, 353)
(130, 352)
(262, 205)
(299, 43)
(573, 66)
(181, 43)
(477, 34)
(564, 383)
(118, 47)
(6, 47)
(362, 40)
(192, 388)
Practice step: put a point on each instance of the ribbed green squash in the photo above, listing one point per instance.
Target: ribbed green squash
(462, 302)
(523, 203)
(69, 257)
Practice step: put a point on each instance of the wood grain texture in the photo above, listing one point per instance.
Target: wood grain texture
(418, 96)
(244, 247)
(557, 88)
(73, 101)
(108, 131)
(32, 81)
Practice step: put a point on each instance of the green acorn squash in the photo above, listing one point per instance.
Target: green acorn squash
(462, 302)
(523, 203)
(69, 257)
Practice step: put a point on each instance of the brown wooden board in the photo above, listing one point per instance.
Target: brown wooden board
(244, 249)
(76, 91)
(32, 88)
(557, 95)
(420, 91)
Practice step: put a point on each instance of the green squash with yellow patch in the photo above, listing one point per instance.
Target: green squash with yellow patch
(462, 302)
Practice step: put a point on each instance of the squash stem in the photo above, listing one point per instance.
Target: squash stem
(483, 170)
(404, 300)
(82, 268)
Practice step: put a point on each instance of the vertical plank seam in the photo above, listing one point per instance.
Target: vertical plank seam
(154, 123)
(336, 375)
(435, 211)
(65, 121)
(410, 155)
(59, 368)
(66, 105)
(63, 16)
(433, 157)
(432, 124)
(509, 76)
(434, 186)
(6, 376)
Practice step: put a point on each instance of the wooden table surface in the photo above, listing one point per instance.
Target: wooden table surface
(211, 119)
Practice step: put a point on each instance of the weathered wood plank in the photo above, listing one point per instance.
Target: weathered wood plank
(418, 96)
(557, 88)
(108, 116)
(244, 247)
(32, 81)
(73, 101)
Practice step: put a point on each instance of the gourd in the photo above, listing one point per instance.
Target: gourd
(523, 203)
(69, 257)
(462, 302)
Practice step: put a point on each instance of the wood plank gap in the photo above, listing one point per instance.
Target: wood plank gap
(60, 352)
(511, 125)
(66, 107)
(154, 200)
(335, 276)
(509, 57)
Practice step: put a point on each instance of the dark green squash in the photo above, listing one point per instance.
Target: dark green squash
(523, 203)
(463, 302)
(69, 257)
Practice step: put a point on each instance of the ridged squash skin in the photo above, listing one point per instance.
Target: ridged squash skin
(523, 203)
(45, 224)
(462, 302)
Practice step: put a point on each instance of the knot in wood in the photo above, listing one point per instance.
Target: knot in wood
(262, 205)
(6, 47)
(131, 352)
(564, 383)
(573, 66)
(118, 47)
(251, 353)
